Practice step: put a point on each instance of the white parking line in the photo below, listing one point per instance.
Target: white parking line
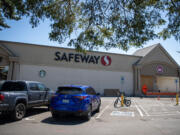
(29, 119)
(147, 114)
(119, 113)
(170, 112)
(100, 114)
(139, 110)
(159, 115)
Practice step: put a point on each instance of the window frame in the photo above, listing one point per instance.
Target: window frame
(41, 85)
(92, 91)
(37, 88)
(68, 88)
(13, 85)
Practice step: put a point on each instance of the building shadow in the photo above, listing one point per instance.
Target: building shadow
(6, 118)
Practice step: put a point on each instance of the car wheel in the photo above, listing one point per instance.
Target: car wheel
(98, 109)
(19, 111)
(54, 115)
(48, 107)
(89, 113)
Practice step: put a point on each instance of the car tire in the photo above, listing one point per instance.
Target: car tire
(19, 111)
(88, 114)
(98, 109)
(48, 107)
(54, 115)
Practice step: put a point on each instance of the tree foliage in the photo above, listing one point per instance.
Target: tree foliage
(90, 24)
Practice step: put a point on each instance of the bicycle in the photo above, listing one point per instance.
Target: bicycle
(117, 102)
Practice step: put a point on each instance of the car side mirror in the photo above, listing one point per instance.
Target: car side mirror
(98, 94)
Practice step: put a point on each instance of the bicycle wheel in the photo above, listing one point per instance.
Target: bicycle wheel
(127, 102)
(117, 103)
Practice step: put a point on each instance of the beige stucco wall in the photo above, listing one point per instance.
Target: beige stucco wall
(58, 76)
(44, 55)
(33, 58)
(158, 55)
(151, 69)
(4, 58)
(167, 84)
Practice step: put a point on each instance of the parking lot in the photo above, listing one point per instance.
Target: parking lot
(145, 116)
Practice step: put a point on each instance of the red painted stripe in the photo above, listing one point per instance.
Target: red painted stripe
(161, 93)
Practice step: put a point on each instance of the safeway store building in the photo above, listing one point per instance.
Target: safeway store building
(152, 67)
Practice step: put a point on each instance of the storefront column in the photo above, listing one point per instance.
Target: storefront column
(10, 71)
(16, 71)
(13, 73)
(137, 80)
(179, 78)
(134, 80)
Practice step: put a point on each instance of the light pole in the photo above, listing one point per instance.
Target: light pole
(122, 94)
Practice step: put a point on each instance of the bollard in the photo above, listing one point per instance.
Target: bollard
(177, 99)
(122, 100)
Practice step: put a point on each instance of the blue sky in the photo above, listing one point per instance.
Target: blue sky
(21, 31)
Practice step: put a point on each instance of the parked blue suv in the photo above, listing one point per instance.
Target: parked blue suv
(75, 99)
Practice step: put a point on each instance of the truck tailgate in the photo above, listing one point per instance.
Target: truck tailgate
(4, 101)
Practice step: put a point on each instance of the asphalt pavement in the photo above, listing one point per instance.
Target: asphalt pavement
(145, 116)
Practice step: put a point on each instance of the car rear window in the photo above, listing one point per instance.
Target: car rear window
(13, 86)
(1, 83)
(69, 90)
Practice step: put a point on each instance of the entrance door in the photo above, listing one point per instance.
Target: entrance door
(148, 81)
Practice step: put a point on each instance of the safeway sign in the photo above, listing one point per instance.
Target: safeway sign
(82, 58)
(106, 60)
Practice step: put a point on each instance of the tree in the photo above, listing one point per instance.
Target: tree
(99, 23)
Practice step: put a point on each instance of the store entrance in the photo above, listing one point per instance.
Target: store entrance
(3, 72)
(159, 84)
(147, 81)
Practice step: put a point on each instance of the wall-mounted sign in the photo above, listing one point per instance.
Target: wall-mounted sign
(159, 69)
(122, 79)
(42, 73)
(82, 58)
(176, 81)
(106, 60)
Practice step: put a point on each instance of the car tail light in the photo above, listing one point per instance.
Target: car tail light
(53, 96)
(1, 97)
(81, 97)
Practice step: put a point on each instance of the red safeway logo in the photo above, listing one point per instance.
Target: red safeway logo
(106, 60)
